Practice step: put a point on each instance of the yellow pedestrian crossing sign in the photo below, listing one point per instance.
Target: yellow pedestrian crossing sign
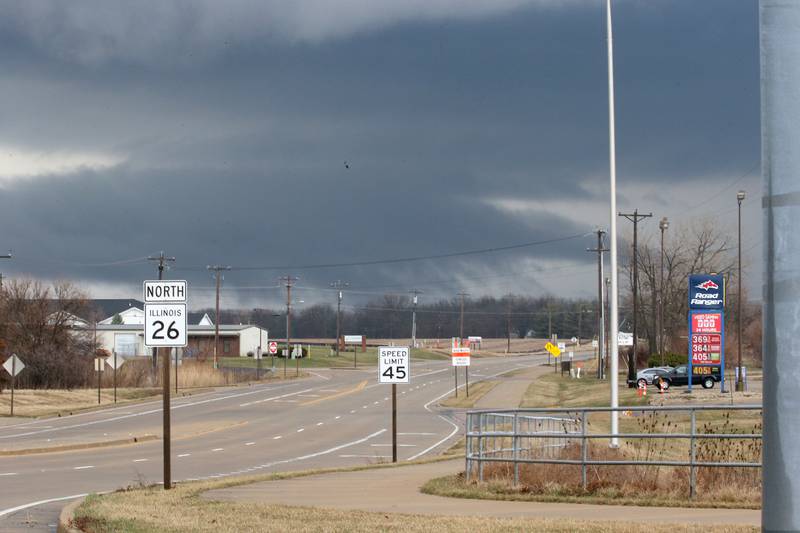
(553, 349)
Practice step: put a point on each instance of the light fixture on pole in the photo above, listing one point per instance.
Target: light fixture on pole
(739, 381)
(662, 225)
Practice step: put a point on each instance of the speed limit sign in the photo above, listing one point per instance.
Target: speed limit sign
(165, 314)
(393, 364)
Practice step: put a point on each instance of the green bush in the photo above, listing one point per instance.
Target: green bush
(671, 359)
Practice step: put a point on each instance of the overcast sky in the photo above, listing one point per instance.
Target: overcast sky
(299, 133)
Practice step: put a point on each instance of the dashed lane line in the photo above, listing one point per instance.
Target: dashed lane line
(83, 467)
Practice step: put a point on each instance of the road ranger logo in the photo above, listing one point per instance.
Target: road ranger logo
(706, 292)
(707, 285)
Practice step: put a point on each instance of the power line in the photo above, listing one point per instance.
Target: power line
(405, 259)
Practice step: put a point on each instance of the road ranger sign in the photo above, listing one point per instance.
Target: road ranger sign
(394, 364)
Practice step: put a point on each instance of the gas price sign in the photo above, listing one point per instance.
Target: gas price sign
(706, 348)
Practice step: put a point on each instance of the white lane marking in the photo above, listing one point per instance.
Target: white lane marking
(417, 433)
(285, 401)
(353, 411)
(278, 437)
(329, 390)
(275, 398)
(249, 443)
(338, 417)
(8, 474)
(301, 430)
(320, 423)
(142, 413)
(326, 378)
(399, 445)
(374, 403)
(12, 510)
(140, 460)
(455, 426)
(364, 406)
(309, 456)
(308, 396)
(83, 467)
(350, 456)
(217, 449)
(386, 399)
(184, 455)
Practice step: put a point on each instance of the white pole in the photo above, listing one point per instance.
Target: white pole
(612, 158)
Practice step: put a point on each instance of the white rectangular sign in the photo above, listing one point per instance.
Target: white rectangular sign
(117, 360)
(353, 339)
(624, 339)
(460, 357)
(164, 291)
(562, 346)
(99, 364)
(394, 364)
(13, 363)
(164, 325)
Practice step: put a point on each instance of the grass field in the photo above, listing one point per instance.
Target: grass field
(182, 509)
(52, 402)
(553, 390)
(476, 392)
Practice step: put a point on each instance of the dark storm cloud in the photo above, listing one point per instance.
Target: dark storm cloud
(231, 149)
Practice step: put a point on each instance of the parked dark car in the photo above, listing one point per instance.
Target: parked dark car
(679, 376)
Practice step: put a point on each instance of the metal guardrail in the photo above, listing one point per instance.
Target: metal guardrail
(537, 436)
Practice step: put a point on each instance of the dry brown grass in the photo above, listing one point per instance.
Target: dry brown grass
(183, 510)
(52, 402)
(476, 392)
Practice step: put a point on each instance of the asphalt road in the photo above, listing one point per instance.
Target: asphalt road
(332, 418)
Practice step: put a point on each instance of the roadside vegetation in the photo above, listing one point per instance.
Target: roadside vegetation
(183, 509)
(476, 392)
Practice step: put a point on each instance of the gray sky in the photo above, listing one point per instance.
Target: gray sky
(219, 132)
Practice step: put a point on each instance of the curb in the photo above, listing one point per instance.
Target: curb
(83, 446)
(65, 517)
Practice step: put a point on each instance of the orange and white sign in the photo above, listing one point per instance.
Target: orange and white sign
(459, 355)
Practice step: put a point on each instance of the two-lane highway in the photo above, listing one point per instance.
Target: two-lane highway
(332, 418)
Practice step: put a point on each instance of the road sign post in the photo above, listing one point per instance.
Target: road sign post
(99, 363)
(355, 340)
(13, 366)
(115, 362)
(459, 356)
(273, 349)
(165, 327)
(394, 366)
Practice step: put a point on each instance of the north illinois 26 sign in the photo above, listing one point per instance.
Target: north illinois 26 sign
(394, 364)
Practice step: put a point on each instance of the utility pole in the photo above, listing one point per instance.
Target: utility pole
(508, 326)
(217, 270)
(739, 382)
(289, 281)
(601, 319)
(461, 295)
(339, 285)
(663, 225)
(415, 292)
(6, 256)
(161, 258)
(634, 217)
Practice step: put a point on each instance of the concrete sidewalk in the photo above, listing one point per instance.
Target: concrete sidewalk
(396, 490)
(509, 392)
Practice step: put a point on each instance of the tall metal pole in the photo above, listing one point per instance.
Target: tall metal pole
(115, 376)
(663, 225)
(612, 165)
(289, 281)
(394, 422)
(97, 362)
(461, 295)
(739, 382)
(780, 136)
(13, 380)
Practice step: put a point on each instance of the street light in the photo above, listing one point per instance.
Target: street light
(740, 382)
(663, 225)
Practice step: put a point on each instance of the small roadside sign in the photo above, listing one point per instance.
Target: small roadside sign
(394, 364)
(14, 365)
(353, 339)
(562, 346)
(574, 340)
(117, 360)
(164, 291)
(273, 347)
(99, 364)
(552, 349)
(595, 344)
(624, 339)
(165, 325)
(460, 356)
